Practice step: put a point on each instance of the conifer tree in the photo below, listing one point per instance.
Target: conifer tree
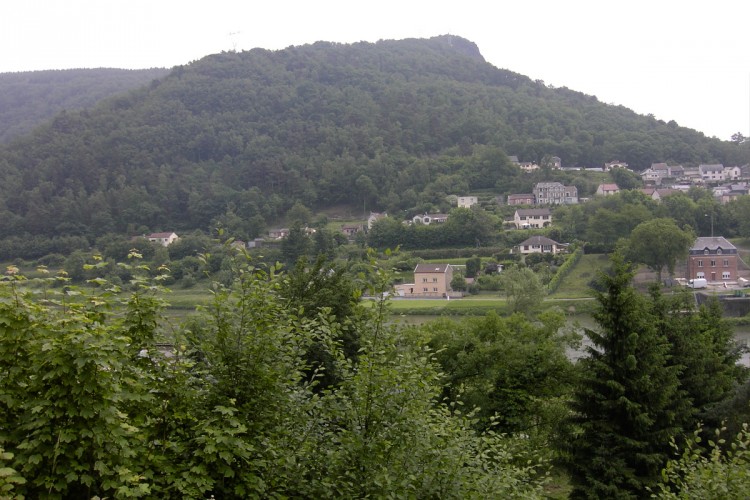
(703, 347)
(627, 402)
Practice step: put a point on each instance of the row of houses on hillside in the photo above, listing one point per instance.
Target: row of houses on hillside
(708, 173)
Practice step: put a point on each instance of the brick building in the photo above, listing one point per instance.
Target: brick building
(712, 258)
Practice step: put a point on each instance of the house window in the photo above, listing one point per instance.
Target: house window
(424, 289)
(713, 263)
(424, 280)
(700, 274)
(434, 289)
(725, 275)
(726, 262)
(718, 251)
(700, 263)
(705, 252)
(434, 280)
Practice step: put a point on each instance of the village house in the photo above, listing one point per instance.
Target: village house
(466, 201)
(539, 244)
(711, 173)
(729, 192)
(658, 194)
(732, 173)
(277, 234)
(521, 199)
(554, 193)
(692, 174)
(712, 258)
(164, 239)
(430, 281)
(374, 217)
(650, 176)
(527, 218)
(428, 219)
(350, 230)
(614, 164)
(607, 189)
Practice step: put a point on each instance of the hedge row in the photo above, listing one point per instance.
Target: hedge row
(565, 269)
(458, 253)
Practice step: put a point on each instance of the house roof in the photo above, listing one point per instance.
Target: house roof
(609, 187)
(520, 196)
(533, 211)
(711, 243)
(431, 268)
(538, 240)
(161, 235)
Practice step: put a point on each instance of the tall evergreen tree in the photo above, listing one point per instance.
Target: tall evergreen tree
(627, 402)
(703, 348)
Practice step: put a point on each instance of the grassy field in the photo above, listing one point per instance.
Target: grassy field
(576, 284)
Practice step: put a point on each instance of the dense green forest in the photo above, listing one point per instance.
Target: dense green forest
(237, 138)
(29, 99)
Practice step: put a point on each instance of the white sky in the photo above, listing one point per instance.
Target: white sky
(687, 61)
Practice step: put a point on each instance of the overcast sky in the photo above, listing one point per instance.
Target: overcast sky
(679, 60)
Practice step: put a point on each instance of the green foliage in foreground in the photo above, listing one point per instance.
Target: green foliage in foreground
(716, 474)
(90, 405)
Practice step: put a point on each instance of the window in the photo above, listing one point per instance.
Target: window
(700, 274)
(424, 280)
(424, 289)
(718, 251)
(434, 289)
(713, 263)
(700, 263)
(726, 262)
(725, 275)
(705, 252)
(434, 280)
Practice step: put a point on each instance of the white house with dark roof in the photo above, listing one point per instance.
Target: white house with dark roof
(711, 173)
(527, 218)
(539, 244)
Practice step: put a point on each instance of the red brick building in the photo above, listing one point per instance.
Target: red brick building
(712, 258)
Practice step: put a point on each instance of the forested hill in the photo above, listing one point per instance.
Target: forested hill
(28, 99)
(240, 137)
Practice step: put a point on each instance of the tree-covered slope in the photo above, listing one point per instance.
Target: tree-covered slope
(392, 125)
(28, 99)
